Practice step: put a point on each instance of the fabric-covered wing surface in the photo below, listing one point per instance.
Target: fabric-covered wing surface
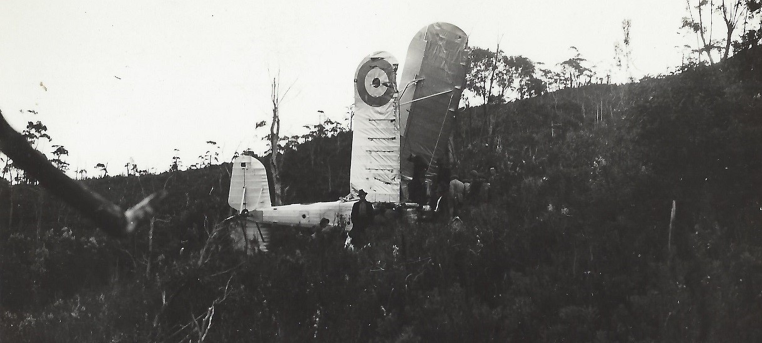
(432, 82)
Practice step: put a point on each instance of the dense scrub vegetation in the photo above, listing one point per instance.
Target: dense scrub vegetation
(578, 243)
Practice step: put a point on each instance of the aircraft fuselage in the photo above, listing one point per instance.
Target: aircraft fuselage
(305, 215)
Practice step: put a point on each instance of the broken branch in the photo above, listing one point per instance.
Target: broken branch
(108, 216)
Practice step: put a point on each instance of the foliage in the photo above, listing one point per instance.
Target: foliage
(34, 132)
(732, 13)
(575, 69)
(103, 168)
(58, 160)
(316, 165)
(176, 162)
(494, 77)
(575, 244)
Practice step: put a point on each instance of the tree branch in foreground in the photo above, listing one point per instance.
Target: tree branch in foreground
(108, 216)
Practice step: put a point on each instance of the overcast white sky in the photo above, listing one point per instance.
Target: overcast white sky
(131, 80)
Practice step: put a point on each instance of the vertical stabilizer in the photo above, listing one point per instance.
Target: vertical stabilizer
(375, 137)
(249, 189)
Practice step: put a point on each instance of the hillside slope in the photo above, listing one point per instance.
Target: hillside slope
(578, 243)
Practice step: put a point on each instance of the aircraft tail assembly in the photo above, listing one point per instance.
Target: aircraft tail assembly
(249, 188)
(390, 123)
(249, 194)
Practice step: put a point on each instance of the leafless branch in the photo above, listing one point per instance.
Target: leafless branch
(202, 328)
(205, 255)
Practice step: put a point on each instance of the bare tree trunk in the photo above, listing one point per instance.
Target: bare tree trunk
(10, 200)
(489, 115)
(330, 186)
(469, 134)
(150, 248)
(730, 17)
(706, 47)
(242, 223)
(40, 205)
(274, 136)
(671, 224)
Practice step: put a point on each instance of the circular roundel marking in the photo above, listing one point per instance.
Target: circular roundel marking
(373, 79)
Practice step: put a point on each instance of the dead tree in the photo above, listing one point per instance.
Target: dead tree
(275, 158)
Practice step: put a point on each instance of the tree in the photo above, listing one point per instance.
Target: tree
(103, 168)
(176, 162)
(480, 73)
(320, 156)
(276, 160)
(550, 78)
(623, 52)
(574, 68)
(522, 71)
(730, 12)
(751, 34)
(212, 155)
(34, 132)
(131, 168)
(5, 167)
(495, 78)
(81, 173)
(8, 169)
(697, 26)
(535, 87)
(58, 161)
(489, 80)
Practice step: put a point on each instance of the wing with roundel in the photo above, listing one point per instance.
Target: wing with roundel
(375, 140)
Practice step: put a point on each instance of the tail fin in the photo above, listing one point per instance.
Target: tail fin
(249, 189)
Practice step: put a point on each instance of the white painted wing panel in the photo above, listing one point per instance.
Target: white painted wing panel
(375, 137)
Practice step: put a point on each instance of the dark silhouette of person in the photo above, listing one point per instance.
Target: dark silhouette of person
(441, 186)
(362, 217)
(327, 235)
(491, 183)
(457, 194)
(443, 176)
(477, 181)
(417, 186)
(322, 228)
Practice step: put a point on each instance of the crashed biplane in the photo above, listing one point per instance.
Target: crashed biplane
(391, 121)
